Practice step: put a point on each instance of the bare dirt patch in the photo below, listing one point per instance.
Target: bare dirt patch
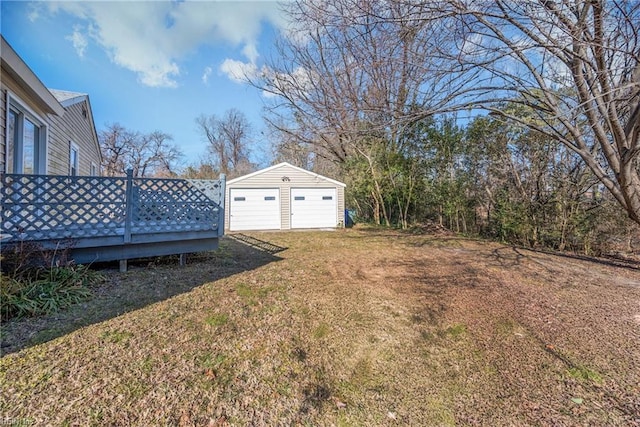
(356, 327)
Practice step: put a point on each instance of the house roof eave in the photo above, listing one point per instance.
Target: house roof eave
(93, 127)
(20, 71)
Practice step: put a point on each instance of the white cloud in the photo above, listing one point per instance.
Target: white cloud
(34, 12)
(150, 38)
(473, 46)
(299, 81)
(206, 74)
(251, 52)
(78, 40)
(239, 71)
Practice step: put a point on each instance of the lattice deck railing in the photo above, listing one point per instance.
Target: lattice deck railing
(48, 207)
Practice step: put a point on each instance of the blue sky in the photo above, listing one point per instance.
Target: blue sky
(151, 65)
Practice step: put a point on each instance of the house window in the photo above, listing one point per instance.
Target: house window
(327, 197)
(26, 140)
(269, 197)
(74, 159)
(239, 199)
(298, 198)
(94, 169)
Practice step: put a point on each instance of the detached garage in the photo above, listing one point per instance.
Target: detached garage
(283, 197)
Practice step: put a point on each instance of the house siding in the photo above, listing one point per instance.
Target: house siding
(72, 126)
(7, 85)
(297, 179)
(3, 128)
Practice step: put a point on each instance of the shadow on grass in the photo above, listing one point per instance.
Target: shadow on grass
(148, 281)
(610, 262)
(506, 257)
(435, 287)
(512, 256)
(261, 245)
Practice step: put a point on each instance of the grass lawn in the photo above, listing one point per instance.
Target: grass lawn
(346, 328)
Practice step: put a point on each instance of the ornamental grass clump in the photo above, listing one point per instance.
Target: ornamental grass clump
(30, 291)
(46, 290)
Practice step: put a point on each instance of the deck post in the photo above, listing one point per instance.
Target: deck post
(123, 266)
(221, 215)
(129, 207)
(183, 259)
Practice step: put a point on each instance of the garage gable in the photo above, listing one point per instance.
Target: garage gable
(282, 171)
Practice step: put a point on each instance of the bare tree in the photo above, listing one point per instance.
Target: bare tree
(115, 143)
(355, 69)
(352, 78)
(208, 127)
(153, 155)
(576, 64)
(201, 170)
(236, 130)
(228, 141)
(150, 154)
(354, 75)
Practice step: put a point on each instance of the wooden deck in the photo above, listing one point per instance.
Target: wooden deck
(112, 218)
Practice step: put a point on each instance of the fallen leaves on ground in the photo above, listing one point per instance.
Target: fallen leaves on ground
(353, 327)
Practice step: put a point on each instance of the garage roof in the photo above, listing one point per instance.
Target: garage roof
(285, 164)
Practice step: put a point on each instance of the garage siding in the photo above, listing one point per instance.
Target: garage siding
(297, 178)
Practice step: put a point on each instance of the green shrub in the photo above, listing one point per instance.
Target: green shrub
(45, 290)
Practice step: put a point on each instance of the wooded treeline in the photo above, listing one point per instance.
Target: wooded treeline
(226, 150)
(512, 119)
(489, 179)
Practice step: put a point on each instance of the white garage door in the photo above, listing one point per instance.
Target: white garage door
(313, 207)
(254, 209)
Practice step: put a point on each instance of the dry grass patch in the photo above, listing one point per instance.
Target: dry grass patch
(354, 327)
